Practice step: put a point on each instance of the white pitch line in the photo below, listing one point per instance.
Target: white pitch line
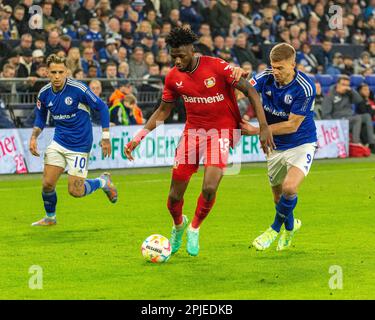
(169, 179)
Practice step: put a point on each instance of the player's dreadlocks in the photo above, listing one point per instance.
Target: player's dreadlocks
(181, 37)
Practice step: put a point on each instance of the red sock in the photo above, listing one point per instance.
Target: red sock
(175, 208)
(203, 208)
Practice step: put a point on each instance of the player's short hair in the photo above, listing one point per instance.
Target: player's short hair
(181, 37)
(282, 51)
(54, 58)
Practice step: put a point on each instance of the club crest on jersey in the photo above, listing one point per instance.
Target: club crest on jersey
(179, 84)
(253, 82)
(288, 99)
(68, 101)
(210, 82)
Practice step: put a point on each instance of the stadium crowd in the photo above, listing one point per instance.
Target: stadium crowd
(118, 48)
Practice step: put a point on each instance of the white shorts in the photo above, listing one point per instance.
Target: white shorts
(279, 162)
(77, 162)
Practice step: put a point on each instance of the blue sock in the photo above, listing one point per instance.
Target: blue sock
(284, 213)
(91, 185)
(50, 200)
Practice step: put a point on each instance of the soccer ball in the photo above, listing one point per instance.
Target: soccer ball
(156, 248)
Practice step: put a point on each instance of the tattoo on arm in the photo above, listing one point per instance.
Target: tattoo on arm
(244, 86)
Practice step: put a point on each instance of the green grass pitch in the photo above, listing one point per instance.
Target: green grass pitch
(94, 251)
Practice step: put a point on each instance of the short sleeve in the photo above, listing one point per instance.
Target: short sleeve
(169, 94)
(225, 70)
(258, 80)
(304, 103)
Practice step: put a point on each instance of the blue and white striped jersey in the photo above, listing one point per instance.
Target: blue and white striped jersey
(70, 109)
(297, 97)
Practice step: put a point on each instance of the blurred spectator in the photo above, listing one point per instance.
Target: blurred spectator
(65, 43)
(289, 15)
(18, 20)
(128, 43)
(325, 54)
(8, 71)
(110, 84)
(61, 11)
(190, 15)
(38, 58)
(368, 102)
(73, 60)
(166, 6)
(137, 65)
(5, 120)
(86, 12)
(48, 19)
(337, 65)
(53, 42)
(149, 58)
(174, 18)
(88, 58)
(318, 102)
(78, 74)
(5, 29)
(94, 29)
(220, 18)
(40, 73)
(242, 51)
(307, 58)
(338, 105)
(96, 87)
(25, 42)
(126, 112)
(205, 46)
(26, 61)
(123, 89)
(109, 52)
(363, 63)
(123, 70)
(163, 59)
(93, 71)
(348, 66)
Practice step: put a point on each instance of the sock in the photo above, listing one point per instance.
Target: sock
(91, 185)
(50, 200)
(202, 210)
(175, 208)
(284, 213)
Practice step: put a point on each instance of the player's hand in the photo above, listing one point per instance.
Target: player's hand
(266, 139)
(238, 72)
(247, 129)
(129, 149)
(33, 147)
(106, 147)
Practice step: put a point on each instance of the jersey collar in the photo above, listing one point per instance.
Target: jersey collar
(66, 80)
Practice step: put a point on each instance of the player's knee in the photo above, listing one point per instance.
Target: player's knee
(174, 196)
(209, 191)
(290, 189)
(76, 193)
(48, 186)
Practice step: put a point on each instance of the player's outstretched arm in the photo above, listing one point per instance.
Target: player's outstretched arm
(265, 134)
(33, 144)
(158, 117)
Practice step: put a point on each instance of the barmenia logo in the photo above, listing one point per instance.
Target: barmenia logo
(214, 99)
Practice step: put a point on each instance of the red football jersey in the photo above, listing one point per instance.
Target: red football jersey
(208, 94)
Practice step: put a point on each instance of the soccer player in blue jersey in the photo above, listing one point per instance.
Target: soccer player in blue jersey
(69, 103)
(288, 99)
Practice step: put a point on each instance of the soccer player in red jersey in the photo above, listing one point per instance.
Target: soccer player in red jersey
(206, 85)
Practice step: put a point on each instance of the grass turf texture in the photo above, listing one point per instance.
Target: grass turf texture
(94, 251)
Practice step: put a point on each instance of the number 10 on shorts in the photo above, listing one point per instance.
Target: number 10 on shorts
(80, 161)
